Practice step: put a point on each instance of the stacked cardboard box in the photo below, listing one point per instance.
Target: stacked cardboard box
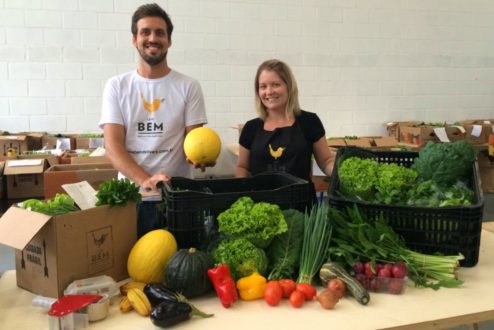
(478, 130)
(57, 175)
(24, 176)
(12, 145)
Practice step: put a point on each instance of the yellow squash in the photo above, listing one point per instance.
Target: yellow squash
(149, 256)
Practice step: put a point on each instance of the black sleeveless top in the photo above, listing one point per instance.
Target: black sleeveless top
(287, 149)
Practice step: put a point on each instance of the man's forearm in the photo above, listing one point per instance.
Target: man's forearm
(126, 165)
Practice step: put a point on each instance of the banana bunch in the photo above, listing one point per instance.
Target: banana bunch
(124, 288)
(134, 298)
(125, 305)
(139, 301)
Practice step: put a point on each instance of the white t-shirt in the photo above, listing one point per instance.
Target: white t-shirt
(155, 113)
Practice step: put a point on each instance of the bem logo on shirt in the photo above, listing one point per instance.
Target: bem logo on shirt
(151, 106)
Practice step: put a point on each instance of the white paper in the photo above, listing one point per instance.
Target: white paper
(83, 194)
(25, 162)
(476, 130)
(63, 144)
(441, 134)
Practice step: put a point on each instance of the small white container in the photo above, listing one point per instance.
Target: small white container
(102, 285)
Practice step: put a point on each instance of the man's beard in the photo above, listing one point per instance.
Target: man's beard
(152, 60)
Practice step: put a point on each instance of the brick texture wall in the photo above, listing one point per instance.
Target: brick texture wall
(359, 63)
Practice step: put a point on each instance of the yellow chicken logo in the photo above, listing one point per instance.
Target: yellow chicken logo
(151, 106)
(276, 153)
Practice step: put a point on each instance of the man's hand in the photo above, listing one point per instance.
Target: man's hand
(201, 166)
(152, 182)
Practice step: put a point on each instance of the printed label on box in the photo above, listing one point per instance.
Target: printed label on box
(35, 255)
(100, 249)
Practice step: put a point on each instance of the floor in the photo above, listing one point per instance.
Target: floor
(7, 256)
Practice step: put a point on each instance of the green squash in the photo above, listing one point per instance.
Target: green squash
(187, 272)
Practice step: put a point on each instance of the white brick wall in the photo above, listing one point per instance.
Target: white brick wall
(358, 63)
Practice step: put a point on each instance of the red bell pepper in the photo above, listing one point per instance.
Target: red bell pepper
(223, 284)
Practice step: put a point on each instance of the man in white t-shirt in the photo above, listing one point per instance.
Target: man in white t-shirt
(146, 113)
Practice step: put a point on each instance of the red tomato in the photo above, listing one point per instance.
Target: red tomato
(273, 293)
(297, 299)
(337, 286)
(308, 290)
(288, 287)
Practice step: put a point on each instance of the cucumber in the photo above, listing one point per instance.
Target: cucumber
(331, 270)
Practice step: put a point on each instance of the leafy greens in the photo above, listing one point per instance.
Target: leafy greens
(445, 163)
(284, 250)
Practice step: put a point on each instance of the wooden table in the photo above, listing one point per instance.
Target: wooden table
(416, 308)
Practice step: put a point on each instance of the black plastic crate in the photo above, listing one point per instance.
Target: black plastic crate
(448, 230)
(193, 205)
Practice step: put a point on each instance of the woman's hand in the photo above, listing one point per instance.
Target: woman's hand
(201, 166)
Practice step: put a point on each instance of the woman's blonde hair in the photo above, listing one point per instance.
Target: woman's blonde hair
(284, 72)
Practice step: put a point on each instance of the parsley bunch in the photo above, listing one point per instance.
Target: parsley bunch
(117, 192)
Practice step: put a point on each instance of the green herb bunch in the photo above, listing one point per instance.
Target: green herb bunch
(117, 192)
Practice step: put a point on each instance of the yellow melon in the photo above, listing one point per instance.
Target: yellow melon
(149, 256)
(202, 145)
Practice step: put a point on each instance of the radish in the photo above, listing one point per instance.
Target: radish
(399, 270)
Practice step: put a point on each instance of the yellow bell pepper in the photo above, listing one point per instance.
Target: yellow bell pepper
(251, 287)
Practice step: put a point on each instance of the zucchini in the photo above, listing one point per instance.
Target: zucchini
(331, 270)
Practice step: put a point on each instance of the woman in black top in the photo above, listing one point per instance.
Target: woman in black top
(283, 137)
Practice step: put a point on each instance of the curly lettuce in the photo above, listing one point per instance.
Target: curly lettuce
(357, 177)
(393, 182)
(257, 222)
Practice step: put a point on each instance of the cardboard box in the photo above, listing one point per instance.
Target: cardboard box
(52, 252)
(418, 136)
(363, 142)
(15, 144)
(90, 160)
(477, 130)
(58, 141)
(336, 142)
(384, 142)
(82, 142)
(25, 177)
(3, 184)
(486, 169)
(455, 133)
(94, 174)
(393, 127)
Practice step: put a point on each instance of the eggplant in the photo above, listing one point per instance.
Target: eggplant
(169, 313)
(157, 293)
(169, 306)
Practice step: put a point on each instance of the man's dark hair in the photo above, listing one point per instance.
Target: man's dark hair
(151, 9)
